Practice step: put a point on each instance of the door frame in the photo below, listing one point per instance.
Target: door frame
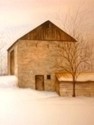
(12, 62)
(36, 81)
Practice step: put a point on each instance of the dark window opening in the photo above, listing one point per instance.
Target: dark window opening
(48, 76)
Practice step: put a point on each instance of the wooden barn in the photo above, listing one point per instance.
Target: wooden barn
(32, 57)
(84, 84)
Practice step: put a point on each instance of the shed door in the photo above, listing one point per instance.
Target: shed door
(12, 62)
(39, 82)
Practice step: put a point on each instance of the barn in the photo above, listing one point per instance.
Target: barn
(32, 57)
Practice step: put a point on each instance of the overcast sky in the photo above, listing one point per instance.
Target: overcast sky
(18, 15)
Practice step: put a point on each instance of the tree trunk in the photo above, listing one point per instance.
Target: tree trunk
(74, 87)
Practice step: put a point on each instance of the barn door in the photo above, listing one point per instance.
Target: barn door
(39, 82)
(12, 62)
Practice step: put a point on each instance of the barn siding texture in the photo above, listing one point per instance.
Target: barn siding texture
(36, 58)
(81, 89)
(49, 32)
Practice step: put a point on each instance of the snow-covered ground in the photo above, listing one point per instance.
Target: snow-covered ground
(10, 81)
(30, 107)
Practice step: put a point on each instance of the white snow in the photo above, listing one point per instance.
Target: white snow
(83, 77)
(30, 107)
(8, 81)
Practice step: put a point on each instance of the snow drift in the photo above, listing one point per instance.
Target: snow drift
(8, 81)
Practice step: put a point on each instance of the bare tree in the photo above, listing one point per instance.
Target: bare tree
(75, 58)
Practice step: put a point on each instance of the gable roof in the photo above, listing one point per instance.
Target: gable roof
(47, 32)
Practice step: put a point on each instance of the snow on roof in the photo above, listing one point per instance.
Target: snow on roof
(83, 77)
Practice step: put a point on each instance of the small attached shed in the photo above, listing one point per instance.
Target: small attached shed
(32, 57)
(83, 87)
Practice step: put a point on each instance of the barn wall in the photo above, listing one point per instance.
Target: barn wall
(81, 89)
(65, 89)
(57, 86)
(15, 60)
(37, 58)
(85, 89)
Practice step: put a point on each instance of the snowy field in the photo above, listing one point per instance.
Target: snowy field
(30, 107)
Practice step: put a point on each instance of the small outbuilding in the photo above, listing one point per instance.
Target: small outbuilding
(84, 84)
(32, 57)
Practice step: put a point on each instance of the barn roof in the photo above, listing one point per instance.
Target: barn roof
(47, 32)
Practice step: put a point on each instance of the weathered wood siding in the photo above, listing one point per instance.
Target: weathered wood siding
(57, 86)
(48, 31)
(65, 89)
(85, 89)
(81, 88)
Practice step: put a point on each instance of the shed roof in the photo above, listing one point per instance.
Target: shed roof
(83, 77)
(47, 31)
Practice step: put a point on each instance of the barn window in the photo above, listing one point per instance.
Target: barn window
(48, 76)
